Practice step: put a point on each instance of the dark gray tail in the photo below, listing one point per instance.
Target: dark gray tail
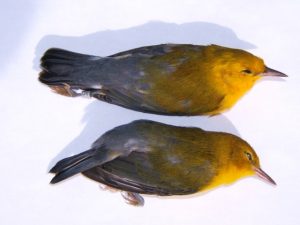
(82, 162)
(73, 165)
(63, 69)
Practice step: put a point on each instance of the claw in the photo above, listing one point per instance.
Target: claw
(70, 91)
(133, 198)
(100, 94)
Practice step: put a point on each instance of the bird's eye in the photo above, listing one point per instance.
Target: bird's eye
(249, 156)
(246, 71)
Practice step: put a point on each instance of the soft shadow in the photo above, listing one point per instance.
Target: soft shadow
(100, 117)
(108, 42)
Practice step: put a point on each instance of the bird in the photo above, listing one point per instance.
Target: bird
(147, 157)
(165, 79)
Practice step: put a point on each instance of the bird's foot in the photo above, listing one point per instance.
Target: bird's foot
(65, 89)
(97, 93)
(69, 91)
(133, 198)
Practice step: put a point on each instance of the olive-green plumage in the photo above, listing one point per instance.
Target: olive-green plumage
(153, 158)
(169, 79)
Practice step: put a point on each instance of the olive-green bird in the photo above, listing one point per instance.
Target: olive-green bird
(146, 157)
(167, 79)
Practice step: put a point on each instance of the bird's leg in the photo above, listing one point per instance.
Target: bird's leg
(67, 90)
(107, 188)
(132, 198)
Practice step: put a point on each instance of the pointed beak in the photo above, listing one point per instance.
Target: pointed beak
(273, 73)
(262, 174)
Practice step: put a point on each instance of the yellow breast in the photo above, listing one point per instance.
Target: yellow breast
(227, 177)
(233, 91)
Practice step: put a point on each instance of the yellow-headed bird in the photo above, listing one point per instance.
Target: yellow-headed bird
(148, 157)
(168, 79)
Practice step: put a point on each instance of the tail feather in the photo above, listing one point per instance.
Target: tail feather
(54, 57)
(80, 163)
(70, 161)
(61, 67)
(70, 166)
(78, 167)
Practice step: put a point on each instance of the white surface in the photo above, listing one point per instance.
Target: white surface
(40, 127)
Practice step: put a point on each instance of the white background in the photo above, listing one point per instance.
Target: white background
(40, 127)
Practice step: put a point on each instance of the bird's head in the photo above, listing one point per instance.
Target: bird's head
(237, 68)
(245, 159)
(235, 159)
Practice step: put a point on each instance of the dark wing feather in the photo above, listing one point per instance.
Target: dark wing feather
(112, 180)
(129, 99)
(127, 83)
(124, 175)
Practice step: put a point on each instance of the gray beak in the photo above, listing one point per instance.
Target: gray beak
(263, 175)
(273, 73)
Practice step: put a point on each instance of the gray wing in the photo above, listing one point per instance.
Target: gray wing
(135, 173)
(124, 81)
(148, 163)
